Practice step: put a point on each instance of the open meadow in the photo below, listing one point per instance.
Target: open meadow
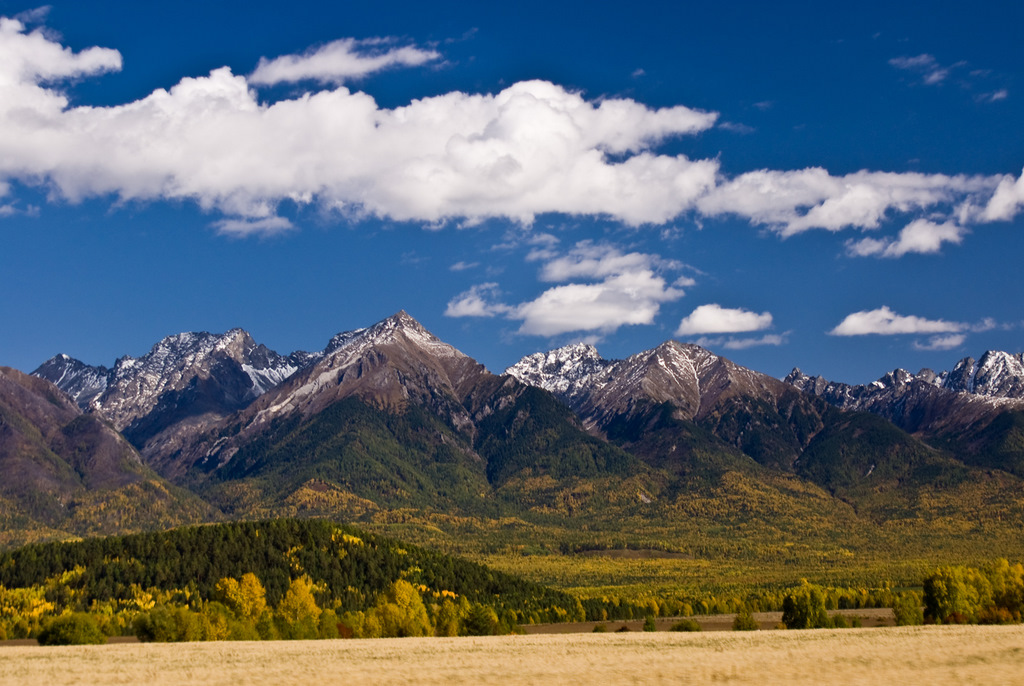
(905, 655)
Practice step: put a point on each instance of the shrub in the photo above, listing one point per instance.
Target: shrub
(838, 621)
(649, 624)
(73, 629)
(995, 615)
(744, 621)
(621, 629)
(601, 629)
(685, 625)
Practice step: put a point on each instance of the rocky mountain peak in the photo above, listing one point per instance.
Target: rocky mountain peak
(562, 371)
(80, 381)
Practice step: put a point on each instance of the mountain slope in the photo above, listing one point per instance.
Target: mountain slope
(186, 382)
(63, 472)
(975, 410)
(700, 416)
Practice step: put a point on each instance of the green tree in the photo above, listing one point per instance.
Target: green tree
(447, 619)
(907, 609)
(479, 621)
(804, 608)
(329, 624)
(649, 624)
(956, 595)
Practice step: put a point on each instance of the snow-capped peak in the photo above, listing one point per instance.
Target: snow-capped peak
(561, 371)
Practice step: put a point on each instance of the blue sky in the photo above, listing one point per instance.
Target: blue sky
(839, 189)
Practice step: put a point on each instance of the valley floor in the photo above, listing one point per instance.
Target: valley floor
(904, 655)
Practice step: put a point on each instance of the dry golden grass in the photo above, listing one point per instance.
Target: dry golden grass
(905, 656)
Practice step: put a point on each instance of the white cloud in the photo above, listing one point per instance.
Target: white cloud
(530, 149)
(34, 16)
(1007, 200)
(994, 96)
(948, 342)
(624, 299)
(30, 58)
(624, 289)
(734, 127)
(733, 343)
(590, 260)
(932, 73)
(340, 61)
(478, 301)
(714, 318)
(462, 266)
(791, 202)
(919, 236)
(248, 227)
(533, 148)
(883, 321)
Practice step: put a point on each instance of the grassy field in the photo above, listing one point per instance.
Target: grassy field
(907, 655)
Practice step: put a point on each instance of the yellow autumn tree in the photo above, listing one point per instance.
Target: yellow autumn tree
(246, 597)
(401, 612)
(298, 615)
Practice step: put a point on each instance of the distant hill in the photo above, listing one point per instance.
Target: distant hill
(350, 567)
(65, 473)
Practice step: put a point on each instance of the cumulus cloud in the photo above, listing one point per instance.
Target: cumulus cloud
(919, 236)
(593, 260)
(713, 318)
(791, 202)
(27, 59)
(883, 321)
(623, 299)
(340, 61)
(533, 148)
(1007, 200)
(622, 289)
(479, 301)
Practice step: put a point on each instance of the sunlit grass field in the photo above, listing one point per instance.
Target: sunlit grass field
(905, 655)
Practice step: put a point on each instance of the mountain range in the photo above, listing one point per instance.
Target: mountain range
(389, 418)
